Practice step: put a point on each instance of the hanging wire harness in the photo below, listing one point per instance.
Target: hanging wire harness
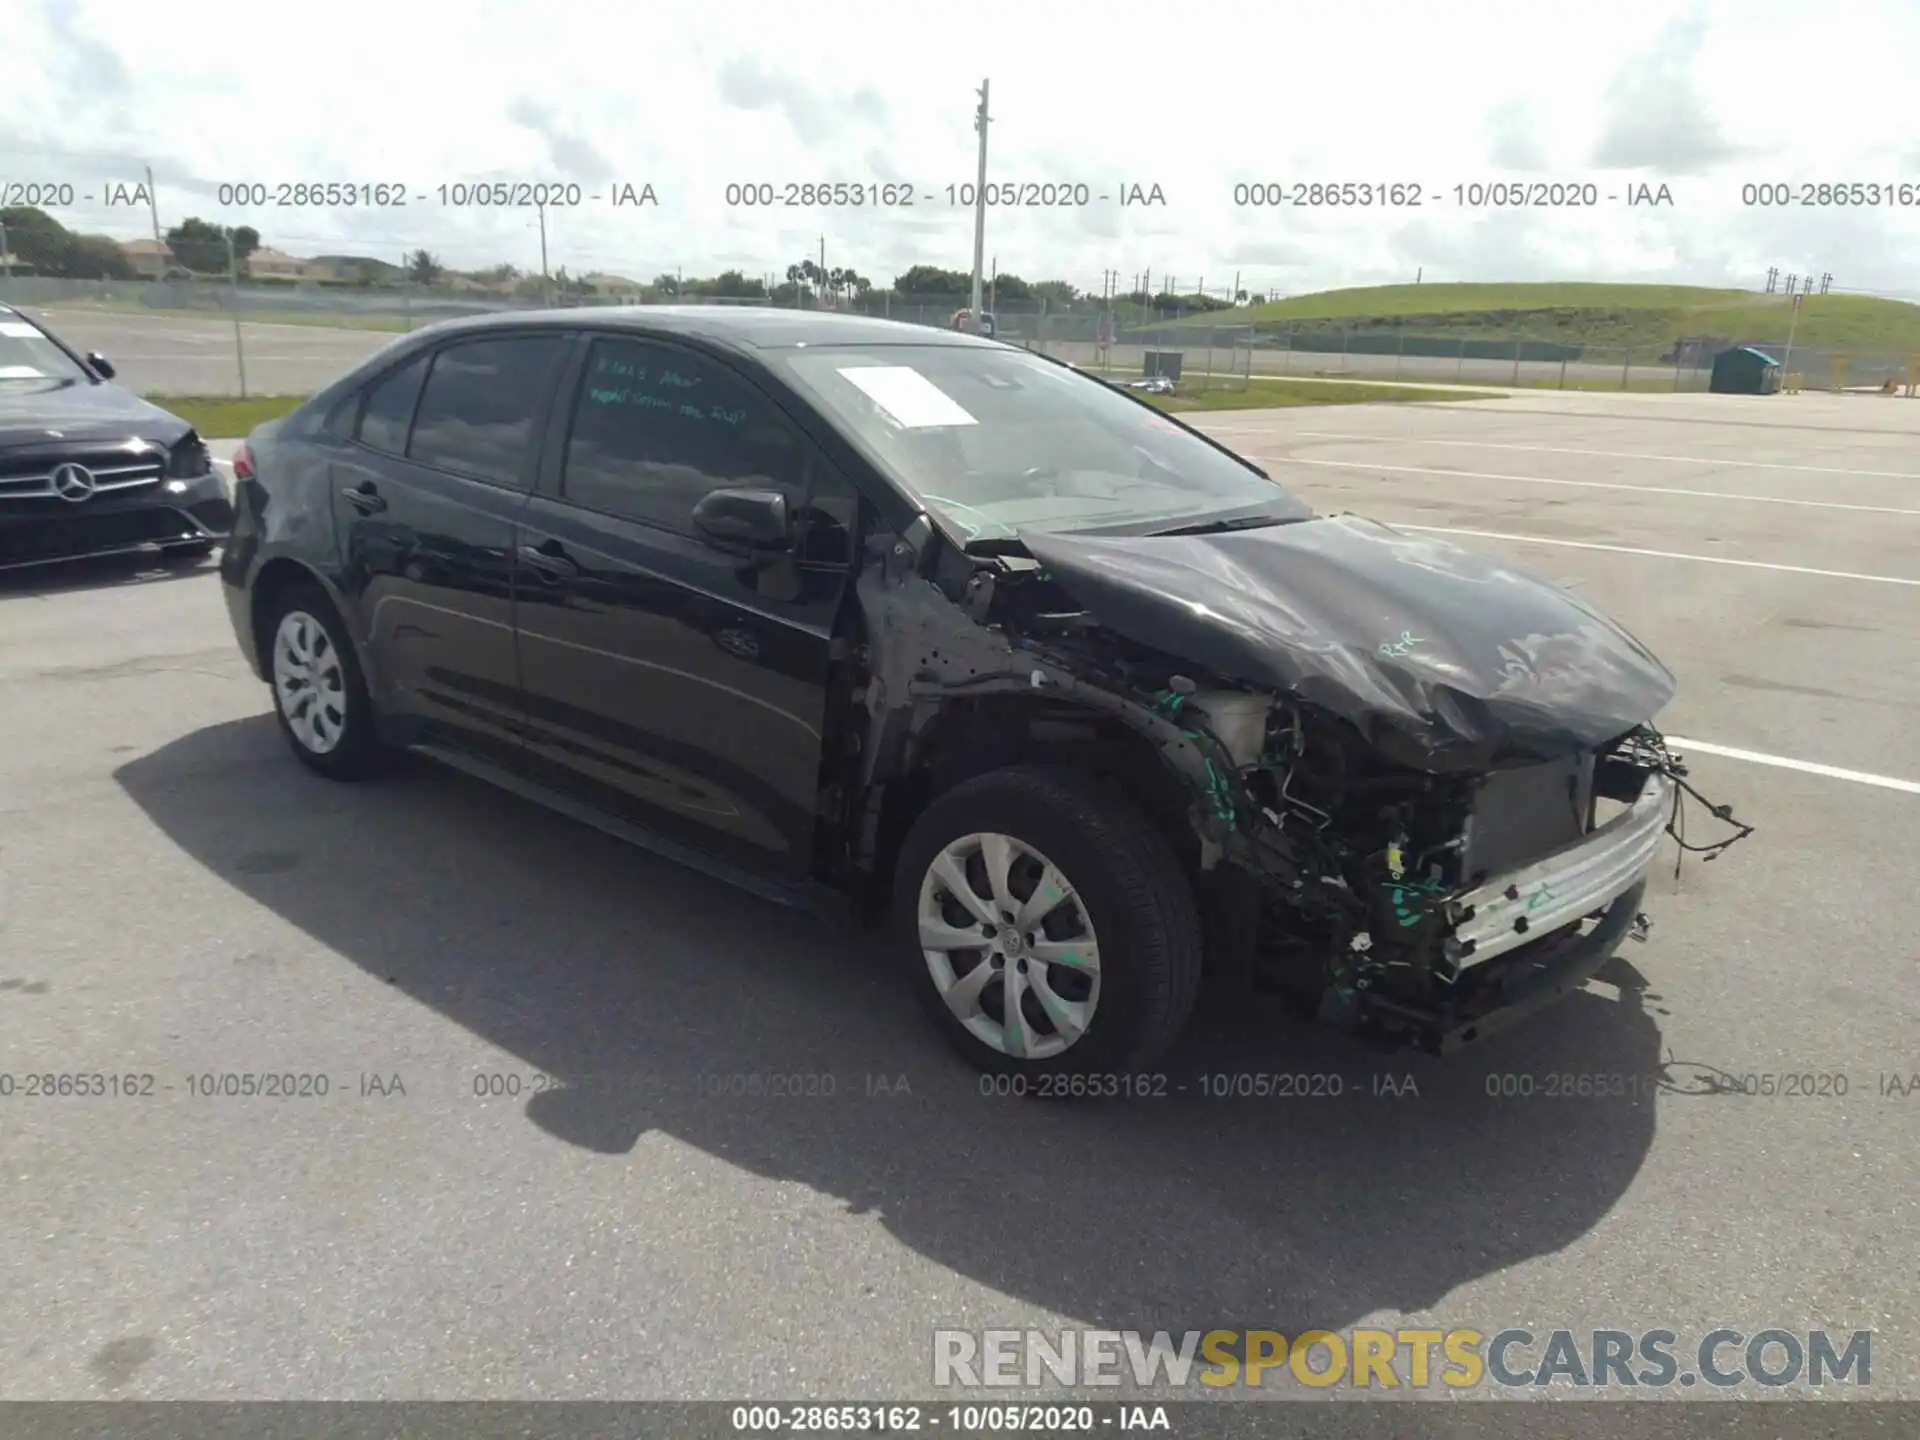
(1648, 747)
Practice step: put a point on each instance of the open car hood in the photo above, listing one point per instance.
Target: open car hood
(1445, 659)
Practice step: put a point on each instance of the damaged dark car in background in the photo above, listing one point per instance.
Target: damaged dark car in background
(1093, 705)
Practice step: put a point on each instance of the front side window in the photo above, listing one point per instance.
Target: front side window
(997, 440)
(480, 405)
(656, 428)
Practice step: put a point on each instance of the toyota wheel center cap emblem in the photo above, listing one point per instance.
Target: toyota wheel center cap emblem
(73, 482)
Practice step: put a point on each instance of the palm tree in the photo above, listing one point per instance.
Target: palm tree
(800, 277)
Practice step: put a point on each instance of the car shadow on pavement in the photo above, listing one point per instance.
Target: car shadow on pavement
(670, 1002)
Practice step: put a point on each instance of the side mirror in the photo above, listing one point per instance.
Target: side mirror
(758, 518)
(101, 365)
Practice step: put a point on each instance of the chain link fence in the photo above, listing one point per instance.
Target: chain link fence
(290, 338)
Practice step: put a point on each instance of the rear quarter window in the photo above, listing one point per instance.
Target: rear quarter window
(386, 408)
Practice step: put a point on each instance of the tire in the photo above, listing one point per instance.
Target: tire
(1122, 883)
(343, 744)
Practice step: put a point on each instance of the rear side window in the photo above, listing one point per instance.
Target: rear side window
(389, 409)
(479, 406)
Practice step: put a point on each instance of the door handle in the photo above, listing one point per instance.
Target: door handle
(550, 560)
(365, 498)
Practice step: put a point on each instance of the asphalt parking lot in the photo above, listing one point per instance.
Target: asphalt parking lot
(179, 899)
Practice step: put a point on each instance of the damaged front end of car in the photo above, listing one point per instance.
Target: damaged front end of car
(1417, 789)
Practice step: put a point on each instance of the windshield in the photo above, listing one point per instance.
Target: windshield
(28, 359)
(998, 441)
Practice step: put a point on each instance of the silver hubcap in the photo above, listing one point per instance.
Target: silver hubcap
(1010, 946)
(308, 682)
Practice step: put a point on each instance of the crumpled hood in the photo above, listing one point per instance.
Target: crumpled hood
(1446, 659)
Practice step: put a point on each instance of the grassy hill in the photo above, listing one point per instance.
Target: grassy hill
(1635, 317)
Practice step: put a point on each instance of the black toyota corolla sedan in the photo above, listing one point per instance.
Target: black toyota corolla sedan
(833, 606)
(87, 468)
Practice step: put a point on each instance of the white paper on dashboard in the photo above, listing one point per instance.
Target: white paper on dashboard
(14, 330)
(20, 372)
(908, 396)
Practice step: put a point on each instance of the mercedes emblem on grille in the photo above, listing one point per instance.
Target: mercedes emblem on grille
(73, 482)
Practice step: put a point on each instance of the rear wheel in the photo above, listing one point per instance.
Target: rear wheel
(1048, 925)
(319, 694)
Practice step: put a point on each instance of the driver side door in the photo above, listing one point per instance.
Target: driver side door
(668, 678)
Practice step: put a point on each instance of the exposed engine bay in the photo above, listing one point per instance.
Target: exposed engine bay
(1409, 841)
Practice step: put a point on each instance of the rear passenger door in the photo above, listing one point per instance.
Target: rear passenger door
(669, 678)
(446, 450)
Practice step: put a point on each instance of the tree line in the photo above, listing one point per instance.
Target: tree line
(200, 248)
(42, 244)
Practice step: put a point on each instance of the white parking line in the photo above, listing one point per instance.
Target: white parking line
(1832, 772)
(1569, 450)
(1656, 554)
(1583, 484)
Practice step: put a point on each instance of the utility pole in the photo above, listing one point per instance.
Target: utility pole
(1113, 319)
(153, 207)
(6, 260)
(822, 281)
(233, 280)
(546, 280)
(980, 121)
(1792, 325)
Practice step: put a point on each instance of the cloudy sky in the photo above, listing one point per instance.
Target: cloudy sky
(1194, 98)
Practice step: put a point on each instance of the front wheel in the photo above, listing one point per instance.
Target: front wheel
(1048, 925)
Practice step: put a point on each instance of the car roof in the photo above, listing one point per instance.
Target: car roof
(751, 327)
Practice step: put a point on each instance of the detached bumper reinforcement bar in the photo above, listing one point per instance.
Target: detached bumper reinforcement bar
(1574, 961)
(1521, 906)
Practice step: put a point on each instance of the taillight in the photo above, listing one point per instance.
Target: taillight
(243, 462)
